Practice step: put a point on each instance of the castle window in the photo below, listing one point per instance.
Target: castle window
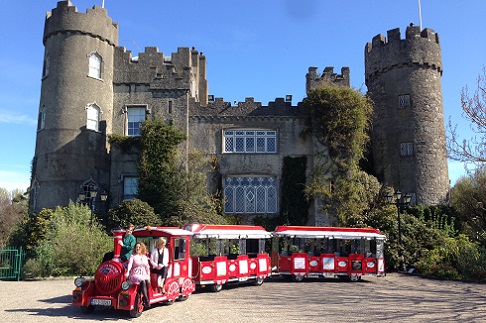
(136, 116)
(404, 101)
(406, 149)
(42, 117)
(47, 64)
(249, 141)
(250, 194)
(95, 63)
(93, 117)
(130, 187)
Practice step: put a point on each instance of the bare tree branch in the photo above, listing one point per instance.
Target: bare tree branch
(471, 150)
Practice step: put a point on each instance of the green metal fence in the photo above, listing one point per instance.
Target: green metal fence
(11, 263)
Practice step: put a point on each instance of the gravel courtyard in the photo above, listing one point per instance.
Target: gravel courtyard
(394, 298)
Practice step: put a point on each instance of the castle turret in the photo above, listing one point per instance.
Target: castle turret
(76, 105)
(408, 139)
(313, 80)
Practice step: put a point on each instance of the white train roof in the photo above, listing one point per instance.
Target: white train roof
(202, 231)
(331, 233)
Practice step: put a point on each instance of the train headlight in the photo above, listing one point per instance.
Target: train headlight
(80, 281)
(126, 285)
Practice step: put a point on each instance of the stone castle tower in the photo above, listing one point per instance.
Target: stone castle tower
(77, 83)
(408, 138)
(92, 89)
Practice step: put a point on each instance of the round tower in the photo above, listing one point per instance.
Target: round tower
(408, 138)
(76, 104)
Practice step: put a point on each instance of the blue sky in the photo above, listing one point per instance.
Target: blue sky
(254, 48)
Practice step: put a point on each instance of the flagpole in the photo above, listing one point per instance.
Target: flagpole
(420, 14)
(103, 3)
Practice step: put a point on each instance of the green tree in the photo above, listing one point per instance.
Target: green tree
(72, 245)
(13, 210)
(31, 230)
(339, 118)
(159, 182)
(135, 211)
(175, 187)
(194, 203)
(468, 197)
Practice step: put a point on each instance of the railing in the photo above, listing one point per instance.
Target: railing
(11, 263)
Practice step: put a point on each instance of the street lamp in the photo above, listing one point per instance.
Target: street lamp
(90, 197)
(400, 202)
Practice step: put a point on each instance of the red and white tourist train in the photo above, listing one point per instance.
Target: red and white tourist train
(214, 255)
(228, 253)
(109, 288)
(350, 253)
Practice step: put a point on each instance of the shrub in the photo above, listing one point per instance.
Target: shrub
(73, 244)
(135, 211)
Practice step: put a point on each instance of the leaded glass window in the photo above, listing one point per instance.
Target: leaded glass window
(249, 141)
(250, 194)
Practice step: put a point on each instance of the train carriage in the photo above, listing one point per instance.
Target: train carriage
(109, 288)
(224, 254)
(350, 253)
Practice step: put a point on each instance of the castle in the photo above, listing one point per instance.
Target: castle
(92, 88)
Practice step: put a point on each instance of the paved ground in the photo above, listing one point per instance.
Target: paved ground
(394, 298)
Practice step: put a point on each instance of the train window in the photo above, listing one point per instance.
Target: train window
(179, 249)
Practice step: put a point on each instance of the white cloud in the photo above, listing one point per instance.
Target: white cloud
(10, 117)
(14, 180)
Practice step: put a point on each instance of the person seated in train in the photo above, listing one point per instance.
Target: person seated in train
(138, 270)
(127, 243)
(160, 261)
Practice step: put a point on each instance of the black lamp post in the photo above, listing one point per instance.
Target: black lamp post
(90, 198)
(400, 201)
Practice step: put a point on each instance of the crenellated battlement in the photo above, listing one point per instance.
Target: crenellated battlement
(250, 107)
(313, 80)
(65, 18)
(184, 70)
(418, 48)
(412, 34)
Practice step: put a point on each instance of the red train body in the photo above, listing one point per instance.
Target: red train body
(213, 255)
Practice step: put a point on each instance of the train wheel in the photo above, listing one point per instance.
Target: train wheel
(258, 282)
(87, 309)
(298, 278)
(168, 302)
(137, 307)
(354, 278)
(216, 287)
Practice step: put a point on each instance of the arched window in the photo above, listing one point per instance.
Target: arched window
(95, 63)
(92, 117)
